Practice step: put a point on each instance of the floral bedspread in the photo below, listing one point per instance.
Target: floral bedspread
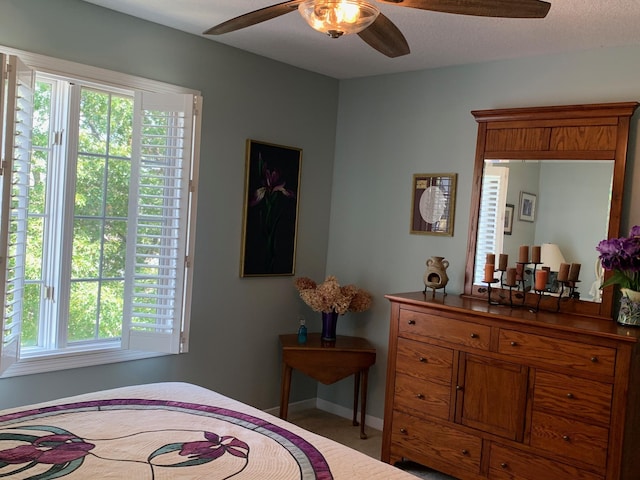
(169, 431)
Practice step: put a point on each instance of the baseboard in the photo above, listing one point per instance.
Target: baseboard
(371, 421)
(333, 408)
(294, 407)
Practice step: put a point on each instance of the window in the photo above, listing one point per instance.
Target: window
(492, 210)
(98, 197)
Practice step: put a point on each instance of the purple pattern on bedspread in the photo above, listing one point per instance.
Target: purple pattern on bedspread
(66, 451)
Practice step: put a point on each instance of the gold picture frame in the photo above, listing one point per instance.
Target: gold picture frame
(270, 216)
(433, 203)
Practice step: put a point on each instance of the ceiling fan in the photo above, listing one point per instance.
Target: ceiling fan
(342, 17)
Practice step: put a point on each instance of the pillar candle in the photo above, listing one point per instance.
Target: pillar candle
(523, 256)
(511, 277)
(519, 271)
(574, 272)
(491, 258)
(535, 254)
(489, 268)
(541, 279)
(503, 261)
(563, 273)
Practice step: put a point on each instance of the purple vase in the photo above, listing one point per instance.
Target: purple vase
(329, 323)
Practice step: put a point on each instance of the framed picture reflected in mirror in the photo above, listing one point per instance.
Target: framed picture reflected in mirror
(527, 209)
(508, 218)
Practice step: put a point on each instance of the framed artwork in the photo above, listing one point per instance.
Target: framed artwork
(527, 210)
(508, 218)
(270, 214)
(433, 203)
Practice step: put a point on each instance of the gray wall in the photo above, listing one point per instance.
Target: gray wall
(387, 129)
(235, 322)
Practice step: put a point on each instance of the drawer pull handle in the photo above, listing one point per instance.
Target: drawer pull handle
(474, 335)
(464, 451)
(566, 438)
(504, 465)
(420, 396)
(403, 431)
(459, 388)
(569, 395)
(412, 322)
(594, 359)
(422, 360)
(514, 344)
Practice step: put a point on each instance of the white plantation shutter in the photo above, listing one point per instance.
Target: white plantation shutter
(491, 221)
(17, 96)
(159, 246)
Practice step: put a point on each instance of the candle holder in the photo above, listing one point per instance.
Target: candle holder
(517, 295)
(573, 293)
(540, 294)
(488, 290)
(521, 282)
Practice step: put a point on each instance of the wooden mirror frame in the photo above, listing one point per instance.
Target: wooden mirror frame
(571, 132)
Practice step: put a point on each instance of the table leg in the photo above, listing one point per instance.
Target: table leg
(356, 392)
(363, 403)
(285, 389)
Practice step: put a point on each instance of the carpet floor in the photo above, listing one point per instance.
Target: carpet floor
(340, 430)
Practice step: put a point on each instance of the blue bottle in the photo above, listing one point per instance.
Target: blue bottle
(302, 331)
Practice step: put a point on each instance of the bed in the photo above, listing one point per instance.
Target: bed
(170, 431)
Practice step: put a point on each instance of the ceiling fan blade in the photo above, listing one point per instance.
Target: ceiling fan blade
(481, 8)
(253, 18)
(385, 37)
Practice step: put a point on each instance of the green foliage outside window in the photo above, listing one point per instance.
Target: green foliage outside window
(103, 168)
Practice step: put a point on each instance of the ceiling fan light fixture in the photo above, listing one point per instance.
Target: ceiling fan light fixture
(338, 17)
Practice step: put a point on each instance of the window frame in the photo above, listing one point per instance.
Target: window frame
(93, 354)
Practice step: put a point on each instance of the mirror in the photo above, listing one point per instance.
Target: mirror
(562, 171)
(554, 202)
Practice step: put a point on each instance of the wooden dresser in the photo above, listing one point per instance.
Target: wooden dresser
(490, 392)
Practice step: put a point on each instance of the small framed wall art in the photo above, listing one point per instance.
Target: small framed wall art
(270, 214)
(433, 203)
(508, 218)
(527, 210)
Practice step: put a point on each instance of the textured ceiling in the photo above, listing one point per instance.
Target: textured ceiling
(435, 39)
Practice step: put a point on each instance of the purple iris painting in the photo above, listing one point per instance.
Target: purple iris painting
(271, 209)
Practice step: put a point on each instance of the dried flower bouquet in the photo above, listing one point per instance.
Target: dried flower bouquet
(329, 296)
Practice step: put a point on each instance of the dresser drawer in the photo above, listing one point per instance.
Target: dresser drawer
(424, 361)
(572, 396)
(510, 464)
(443, 328)
(422, 397)
(570, 438)
(557, 352)
(433, 444)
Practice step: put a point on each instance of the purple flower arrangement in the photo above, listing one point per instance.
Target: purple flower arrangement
(622, 256)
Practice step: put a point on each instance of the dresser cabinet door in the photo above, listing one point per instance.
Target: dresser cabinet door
(492, 396)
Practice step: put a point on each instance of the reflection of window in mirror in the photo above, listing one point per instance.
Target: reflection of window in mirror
(492, 210)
